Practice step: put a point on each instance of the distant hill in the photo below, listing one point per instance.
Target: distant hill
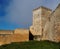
(32, 45)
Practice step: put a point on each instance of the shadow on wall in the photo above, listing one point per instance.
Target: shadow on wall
(31, 37)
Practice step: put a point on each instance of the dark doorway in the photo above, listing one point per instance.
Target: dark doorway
(30, 36)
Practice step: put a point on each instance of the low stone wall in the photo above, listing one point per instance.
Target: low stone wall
(22, 36)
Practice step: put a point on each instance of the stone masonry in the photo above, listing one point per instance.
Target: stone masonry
(17, 35)
(46, 24)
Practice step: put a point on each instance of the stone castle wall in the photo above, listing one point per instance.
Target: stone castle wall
(15, 36)
(40, 17)
(52, 29)
(47, 24)
(55, 27)
(6, 31)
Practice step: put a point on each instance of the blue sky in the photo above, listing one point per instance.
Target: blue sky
(18, 13)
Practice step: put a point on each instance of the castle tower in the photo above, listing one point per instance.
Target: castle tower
(40, 16)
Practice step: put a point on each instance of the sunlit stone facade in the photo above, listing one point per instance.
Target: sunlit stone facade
(40, 17)
(46, 24)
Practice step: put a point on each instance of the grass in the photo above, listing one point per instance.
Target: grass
(32, 45)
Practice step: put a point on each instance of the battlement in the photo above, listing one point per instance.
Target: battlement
(6, 32)
(42, 8)
(21, 31)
